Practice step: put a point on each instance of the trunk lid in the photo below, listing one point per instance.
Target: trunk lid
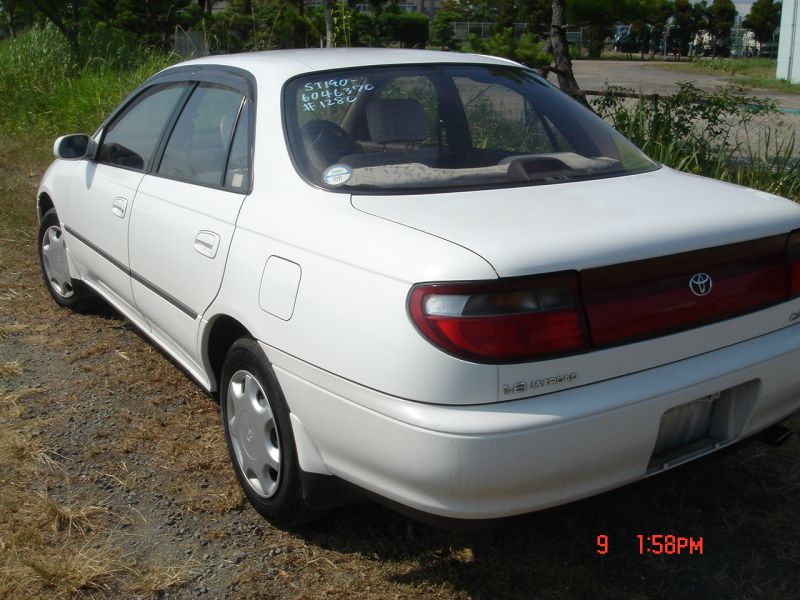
(696, 263)
(583, 225)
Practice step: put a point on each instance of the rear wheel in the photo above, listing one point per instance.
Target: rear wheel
(66, 291)
(259, 435)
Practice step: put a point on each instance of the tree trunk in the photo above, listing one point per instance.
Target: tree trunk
(327, 7)
(560, 49)
(68, 27)
(12, 22)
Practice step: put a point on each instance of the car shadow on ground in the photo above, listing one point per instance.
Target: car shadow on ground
(736, 504)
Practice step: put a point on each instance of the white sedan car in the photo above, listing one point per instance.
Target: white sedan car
(430, 278)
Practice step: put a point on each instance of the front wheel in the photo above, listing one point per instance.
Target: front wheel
(258, 432)
(65, 290)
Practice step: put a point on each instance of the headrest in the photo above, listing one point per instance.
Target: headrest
(397, 120)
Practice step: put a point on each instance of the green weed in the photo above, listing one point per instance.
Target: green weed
(709, 133)
(49, 88)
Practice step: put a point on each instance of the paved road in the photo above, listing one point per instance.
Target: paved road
(648, 78)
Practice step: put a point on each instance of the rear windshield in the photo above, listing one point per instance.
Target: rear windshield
(430, 127)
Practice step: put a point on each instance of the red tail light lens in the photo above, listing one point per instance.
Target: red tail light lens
(502, 321)
(793, 262)
(644, 299)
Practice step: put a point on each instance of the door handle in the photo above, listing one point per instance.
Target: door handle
(119, 206)
(206, 243)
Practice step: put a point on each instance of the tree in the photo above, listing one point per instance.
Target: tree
(65, 15)
(14, 15)
(537, 14)
(701, 17)
(560, 49)
(721, 16)
(684, 26)
(597, 19)
(764, 18)
(327, 7)
(506, 15)
(410, 29)
(442, 32)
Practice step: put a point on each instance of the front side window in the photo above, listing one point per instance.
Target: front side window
(439, 126)
(131, 139)
(197, 150)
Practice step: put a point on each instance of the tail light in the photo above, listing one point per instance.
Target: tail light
(793, 263)
(502, 321)
(644, 299)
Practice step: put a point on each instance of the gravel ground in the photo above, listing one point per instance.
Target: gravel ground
(649, 78)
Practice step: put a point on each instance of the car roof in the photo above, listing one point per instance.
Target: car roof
(289, 63)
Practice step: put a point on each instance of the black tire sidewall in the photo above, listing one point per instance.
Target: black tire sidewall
(286, 506)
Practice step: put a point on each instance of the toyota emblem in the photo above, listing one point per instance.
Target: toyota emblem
(700, 284)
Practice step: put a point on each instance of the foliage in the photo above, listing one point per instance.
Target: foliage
(410, 29)
(266, 26)
(363, 30)
(684, 25)
(595, 39)
(525, 49)
(46, 88)
(764, 18)
(700, 132)
(15, 15)
(721, 16)
(442, 33)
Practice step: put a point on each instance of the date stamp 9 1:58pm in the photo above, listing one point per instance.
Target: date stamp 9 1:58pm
(658, 543)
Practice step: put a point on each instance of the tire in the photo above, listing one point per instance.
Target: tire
(66, 291)
(259, 435)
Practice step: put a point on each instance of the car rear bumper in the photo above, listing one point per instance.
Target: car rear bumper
(502, 459)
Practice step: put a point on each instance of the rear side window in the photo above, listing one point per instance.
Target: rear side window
(197, 150)
(131, 139)
(502, 119)
(416, 89)
(237, 174)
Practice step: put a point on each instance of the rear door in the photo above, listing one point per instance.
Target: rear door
(185, 213)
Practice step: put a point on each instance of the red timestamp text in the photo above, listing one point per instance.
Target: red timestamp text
(659, 543)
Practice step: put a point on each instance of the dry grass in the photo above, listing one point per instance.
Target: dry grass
(20, 452)
(11, 402)
(190, 446)
(11, 329)
(41, 553)
(71, 516)
(9, 370)
(52, 548)
(150, 580)
(69, 570)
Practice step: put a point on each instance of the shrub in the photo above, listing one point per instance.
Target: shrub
(707, 133)
(526, 49)
(410, 29)
(48, 87)
(442, 33)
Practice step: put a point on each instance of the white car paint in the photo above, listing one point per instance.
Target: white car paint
(588, 224)
(321, 279)
(170, 248)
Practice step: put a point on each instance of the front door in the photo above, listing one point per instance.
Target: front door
(97, 217)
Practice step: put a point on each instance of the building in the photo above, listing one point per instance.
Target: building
(789, 44)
